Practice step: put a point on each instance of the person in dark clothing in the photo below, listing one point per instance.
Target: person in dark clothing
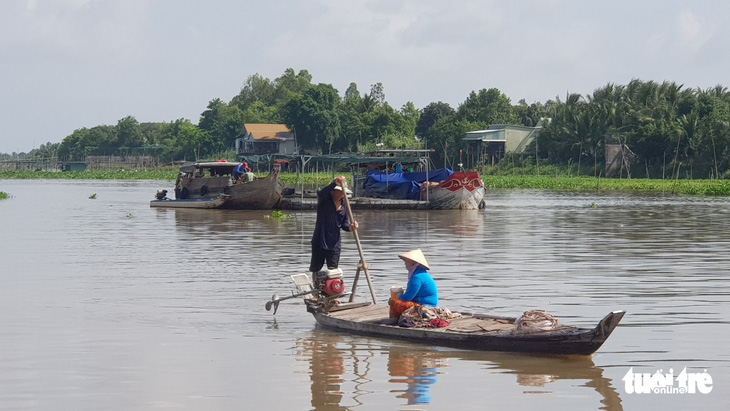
(331, 218)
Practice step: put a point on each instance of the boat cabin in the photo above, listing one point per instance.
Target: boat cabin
(206, 179)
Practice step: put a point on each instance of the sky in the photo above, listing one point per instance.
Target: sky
(71, 64)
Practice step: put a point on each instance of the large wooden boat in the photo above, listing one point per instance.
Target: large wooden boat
(461, 191)
(211, 179)
(440, 189)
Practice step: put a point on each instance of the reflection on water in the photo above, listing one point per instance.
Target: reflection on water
(108, 303)
(417, 370)
(336, 361)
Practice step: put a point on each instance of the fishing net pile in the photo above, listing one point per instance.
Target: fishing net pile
(538, 321)
(429, 317)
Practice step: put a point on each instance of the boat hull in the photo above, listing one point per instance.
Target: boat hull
(444, 190)
(218, 179)
(373, 321)
(203, 203)
(260, 194)
(461, 191)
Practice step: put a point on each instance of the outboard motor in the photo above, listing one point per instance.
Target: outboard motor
(329, 281)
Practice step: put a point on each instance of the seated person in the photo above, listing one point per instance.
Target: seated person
(421, 288)
(242, 173)
(238, 172)
(247, 176)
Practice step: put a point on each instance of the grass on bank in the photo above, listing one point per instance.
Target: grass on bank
(551, 179)
(687, 187)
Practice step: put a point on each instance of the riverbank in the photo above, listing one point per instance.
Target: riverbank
(542, 182)
(565, 183)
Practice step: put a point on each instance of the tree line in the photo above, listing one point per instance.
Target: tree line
(668, 127)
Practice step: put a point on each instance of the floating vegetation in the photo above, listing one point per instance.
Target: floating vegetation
(4, 195)
(129, 215)
(93, 196)
(278, 215)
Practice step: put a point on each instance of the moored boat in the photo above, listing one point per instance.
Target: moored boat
(440, 189)
(211, 179)
(201, 203)
(460, 191)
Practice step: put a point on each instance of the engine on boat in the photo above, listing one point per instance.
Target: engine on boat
(329, 281)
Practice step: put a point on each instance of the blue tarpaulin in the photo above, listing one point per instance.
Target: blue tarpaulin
(401, 185)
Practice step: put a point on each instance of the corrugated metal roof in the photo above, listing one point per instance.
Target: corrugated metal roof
(269, 131)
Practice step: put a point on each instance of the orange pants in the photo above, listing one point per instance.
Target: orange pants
(398, 306)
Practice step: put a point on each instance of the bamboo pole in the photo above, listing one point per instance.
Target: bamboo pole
(362, 265)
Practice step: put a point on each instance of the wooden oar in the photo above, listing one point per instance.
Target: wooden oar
(363, 265)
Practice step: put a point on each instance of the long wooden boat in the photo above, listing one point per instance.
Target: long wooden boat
(202, 203)
(322, 294)
(470, 331)
(211, 179)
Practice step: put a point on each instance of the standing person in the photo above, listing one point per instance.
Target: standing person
(331, 218)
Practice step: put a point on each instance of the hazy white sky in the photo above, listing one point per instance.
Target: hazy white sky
(68, 64)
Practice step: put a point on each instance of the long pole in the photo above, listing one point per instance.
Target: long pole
(362, 264)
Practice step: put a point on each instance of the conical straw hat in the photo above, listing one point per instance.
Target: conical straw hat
(416, 256)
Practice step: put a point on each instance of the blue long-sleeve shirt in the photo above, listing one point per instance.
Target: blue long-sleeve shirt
(421, 289)
(329, 221)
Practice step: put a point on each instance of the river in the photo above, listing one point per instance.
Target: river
(106, 303)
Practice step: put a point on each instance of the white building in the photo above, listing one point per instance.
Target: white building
(262, 139)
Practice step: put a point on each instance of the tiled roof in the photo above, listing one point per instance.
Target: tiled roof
(269, 131)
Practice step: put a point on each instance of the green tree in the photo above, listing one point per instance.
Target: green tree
(314, 117)
(260, 113)
(48, 150)
(256, 89)
(488, 106)
(88, 141)
(377, 93)
(352, 126)
(529, 115)
(223, 122)
(128, 136)
(289, 84)
(182, 140)
(352, 96)
(446, 137)
(411, 116)
(430, 114)
(381, 121)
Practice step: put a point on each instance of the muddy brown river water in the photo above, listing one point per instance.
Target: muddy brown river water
(107, 303)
